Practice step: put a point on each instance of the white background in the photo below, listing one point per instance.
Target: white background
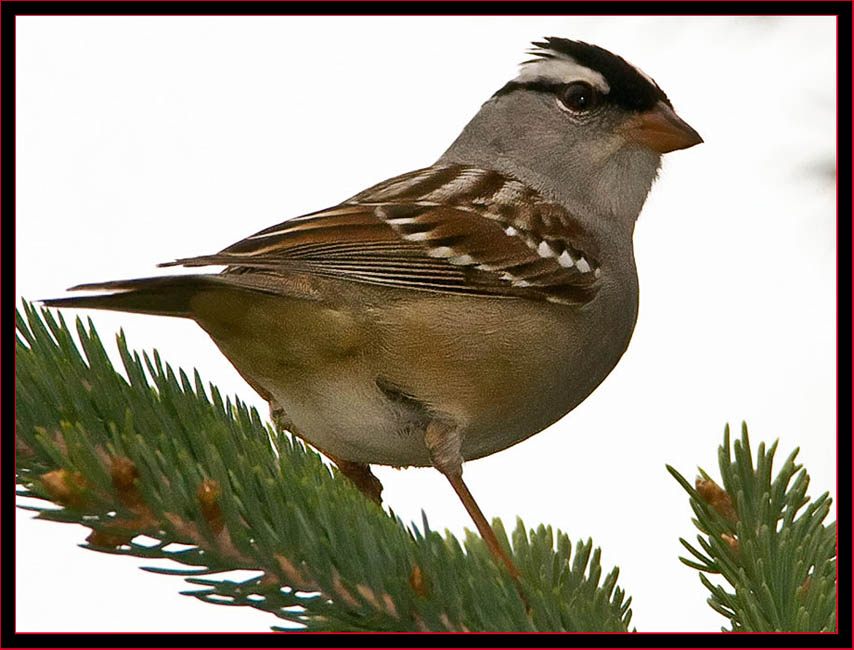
(145, 139)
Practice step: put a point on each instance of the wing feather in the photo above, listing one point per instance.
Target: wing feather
(453, 229)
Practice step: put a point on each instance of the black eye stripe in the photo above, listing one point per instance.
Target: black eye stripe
(540, 86)
(629, 88)
(555, 88)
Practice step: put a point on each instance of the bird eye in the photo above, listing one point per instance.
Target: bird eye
(580, 96)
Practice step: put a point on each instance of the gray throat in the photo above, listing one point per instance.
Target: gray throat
(604, 182)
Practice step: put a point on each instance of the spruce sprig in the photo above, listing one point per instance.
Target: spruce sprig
(762, 536)
(151, 454)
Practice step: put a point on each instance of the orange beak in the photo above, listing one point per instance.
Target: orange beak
(661, 130)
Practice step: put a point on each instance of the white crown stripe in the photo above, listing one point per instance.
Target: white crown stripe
(561, 68)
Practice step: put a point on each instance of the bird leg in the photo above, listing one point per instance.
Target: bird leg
(362, 477)
(443, 443)
(359, 474)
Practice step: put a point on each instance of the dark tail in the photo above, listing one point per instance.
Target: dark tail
(164, 296)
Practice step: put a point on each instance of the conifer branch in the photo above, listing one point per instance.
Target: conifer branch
(761, 536)
(219, 490)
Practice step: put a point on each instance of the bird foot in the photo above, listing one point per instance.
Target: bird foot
(359, 474)
(443, 443)
(362, 477)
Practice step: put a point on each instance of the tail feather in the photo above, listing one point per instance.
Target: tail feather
(164, 296)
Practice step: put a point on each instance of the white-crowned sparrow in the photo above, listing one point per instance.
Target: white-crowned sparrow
(453, 311)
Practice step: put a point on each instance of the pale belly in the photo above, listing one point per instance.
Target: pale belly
(361, 383)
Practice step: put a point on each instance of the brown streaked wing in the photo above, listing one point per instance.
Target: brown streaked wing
(451, 229)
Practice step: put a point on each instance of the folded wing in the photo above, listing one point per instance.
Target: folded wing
(453, 229)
